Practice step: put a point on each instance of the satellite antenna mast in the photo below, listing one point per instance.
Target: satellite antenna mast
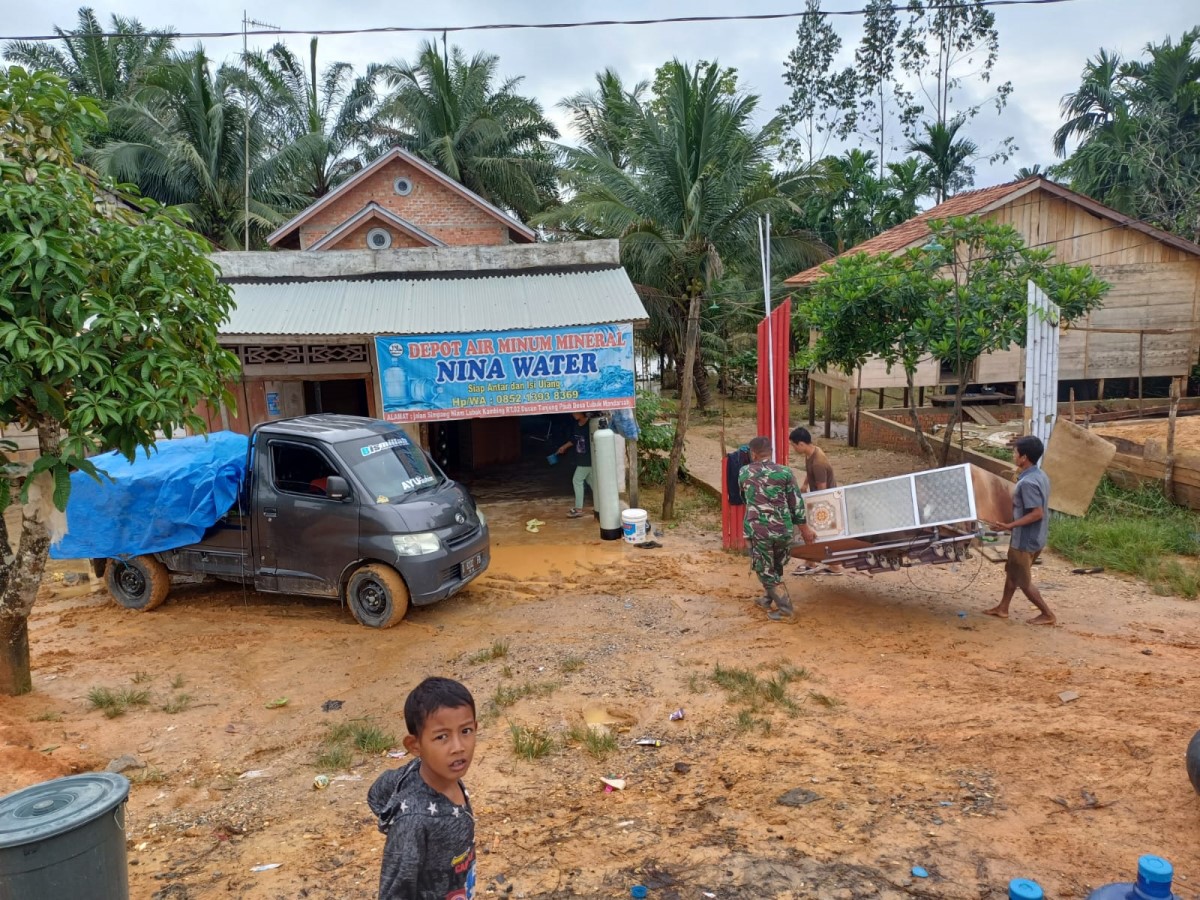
(246, 23)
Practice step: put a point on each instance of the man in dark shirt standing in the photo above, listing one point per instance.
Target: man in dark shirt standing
(581, 442)
(774, 508)
(1029, 527)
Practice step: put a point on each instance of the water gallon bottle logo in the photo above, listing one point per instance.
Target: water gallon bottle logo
(395, 349)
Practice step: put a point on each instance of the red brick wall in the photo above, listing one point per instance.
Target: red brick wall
(431, 206)
(357, 239)
(892, 430)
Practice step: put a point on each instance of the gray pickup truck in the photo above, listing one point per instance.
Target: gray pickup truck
(331, 506)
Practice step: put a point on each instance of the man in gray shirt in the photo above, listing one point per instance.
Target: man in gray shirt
(1029, 527)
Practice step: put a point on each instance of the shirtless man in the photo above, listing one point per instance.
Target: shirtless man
(1029, 527)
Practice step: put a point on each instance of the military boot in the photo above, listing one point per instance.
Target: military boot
(783, 611)
(765, 601)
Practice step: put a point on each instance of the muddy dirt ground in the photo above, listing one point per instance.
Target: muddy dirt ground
(913, 731)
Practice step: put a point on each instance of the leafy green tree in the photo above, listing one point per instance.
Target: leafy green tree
(686, 208)
(1138, 128)
(601, 117)
(852, 204)
(882, 98)
(314, 119)
(451, 112)
(108, 329)
(106, 68)
(962, 295)
(948, 159)
(821, 105)
(184, 147)
(941, 39)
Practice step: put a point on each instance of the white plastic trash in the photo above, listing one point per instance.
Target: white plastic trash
(635, 526)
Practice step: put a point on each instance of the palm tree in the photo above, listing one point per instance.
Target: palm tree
(947, 157)
(687, 206)
(1033, 171)
(449, 111)
(316, 119)
(184, 148)
(601, 116)
(106, 68)
(1138, 127)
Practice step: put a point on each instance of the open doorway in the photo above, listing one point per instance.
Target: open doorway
(346, 396)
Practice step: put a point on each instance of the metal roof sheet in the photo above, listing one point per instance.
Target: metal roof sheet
(434, 305)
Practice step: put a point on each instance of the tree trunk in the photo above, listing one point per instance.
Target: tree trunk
(955, 418)
(922, 440)
(21, 574)
(690, 352)
(700, 373)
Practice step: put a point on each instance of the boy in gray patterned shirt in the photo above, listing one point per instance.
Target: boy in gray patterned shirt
(423, 807)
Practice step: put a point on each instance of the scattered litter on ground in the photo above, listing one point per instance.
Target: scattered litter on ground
(321, 782)
(331, 705)
(613, 784)
(682, 768)
(277, 702)
(677, 715)
(1093, 570)
(1068, 696)
(919, 872)
(347, 778)
(397, 754)
(256, 773)
(124, 763)
(266, 867)
(649, 742)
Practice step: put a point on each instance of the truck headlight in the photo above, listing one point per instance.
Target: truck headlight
(416, 544)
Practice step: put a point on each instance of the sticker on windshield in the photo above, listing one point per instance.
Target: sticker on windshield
(414, 483)
(371, 449)
(382, 499)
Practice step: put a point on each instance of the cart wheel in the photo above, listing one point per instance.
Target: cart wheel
(1193, 761)
(377, 596)
(141, 583)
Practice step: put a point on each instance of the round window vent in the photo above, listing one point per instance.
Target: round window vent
(402, 186)
(379, 239)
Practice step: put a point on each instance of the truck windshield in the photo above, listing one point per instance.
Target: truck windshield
(389, 465)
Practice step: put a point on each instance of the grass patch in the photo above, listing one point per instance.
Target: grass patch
(506, 672)
(178, 703)
(363, 734)
(142, 678)
(571, 663)
(596, 742)
(1137, 532)
(49, 715)
(508, 694)
(498, 650)
(338, 756)
(994, 452)
(824, 700)
(530, 743)
(696, 683)
(747, 722)
(751, 690)
(177, 682)
(692, 506)
(116, 703)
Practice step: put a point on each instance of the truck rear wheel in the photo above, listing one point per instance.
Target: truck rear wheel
(377, 596)
(141, 583)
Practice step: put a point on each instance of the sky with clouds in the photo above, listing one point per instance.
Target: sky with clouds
(1042, 48)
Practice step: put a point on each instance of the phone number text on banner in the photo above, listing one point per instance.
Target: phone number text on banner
(505, 373)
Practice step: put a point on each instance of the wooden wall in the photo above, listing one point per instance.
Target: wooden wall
(1155, 289)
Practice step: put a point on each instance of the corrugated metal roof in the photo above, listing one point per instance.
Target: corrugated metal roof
(434, 305)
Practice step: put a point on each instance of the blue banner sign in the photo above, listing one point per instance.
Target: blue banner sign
(505, 373)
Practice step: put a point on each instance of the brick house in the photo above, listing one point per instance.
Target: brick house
(400, 251)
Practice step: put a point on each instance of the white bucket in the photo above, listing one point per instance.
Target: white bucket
(635, 525)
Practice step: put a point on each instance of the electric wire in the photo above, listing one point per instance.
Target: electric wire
(515, 26)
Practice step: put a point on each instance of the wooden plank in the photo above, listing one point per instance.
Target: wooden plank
(993, 496)
(980, 415)
(1075, 461)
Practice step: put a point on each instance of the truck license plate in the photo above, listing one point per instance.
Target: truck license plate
(470, 566)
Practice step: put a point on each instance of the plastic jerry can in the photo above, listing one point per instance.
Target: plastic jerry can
(1154, 875)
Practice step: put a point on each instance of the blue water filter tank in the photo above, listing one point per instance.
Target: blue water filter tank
(1153, 883)
(1024, 889)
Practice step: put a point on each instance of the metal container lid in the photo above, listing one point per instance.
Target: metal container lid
(54, 807)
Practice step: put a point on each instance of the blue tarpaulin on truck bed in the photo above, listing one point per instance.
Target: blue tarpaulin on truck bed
(160, 501)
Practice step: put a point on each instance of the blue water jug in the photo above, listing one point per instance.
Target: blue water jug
(1024, 889)
(1153, 883)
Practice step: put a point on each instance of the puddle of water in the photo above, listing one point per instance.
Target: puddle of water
(526, 560)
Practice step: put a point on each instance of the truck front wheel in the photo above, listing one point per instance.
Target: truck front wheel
(377, 596)
(140, 583)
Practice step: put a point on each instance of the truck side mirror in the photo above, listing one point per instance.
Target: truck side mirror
(336, 488)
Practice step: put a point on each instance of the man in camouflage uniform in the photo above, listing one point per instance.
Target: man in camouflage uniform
(773, 509)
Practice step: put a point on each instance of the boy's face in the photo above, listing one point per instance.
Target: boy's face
(446, 746)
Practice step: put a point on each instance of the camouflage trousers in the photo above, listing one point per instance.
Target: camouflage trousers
(768, 556)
